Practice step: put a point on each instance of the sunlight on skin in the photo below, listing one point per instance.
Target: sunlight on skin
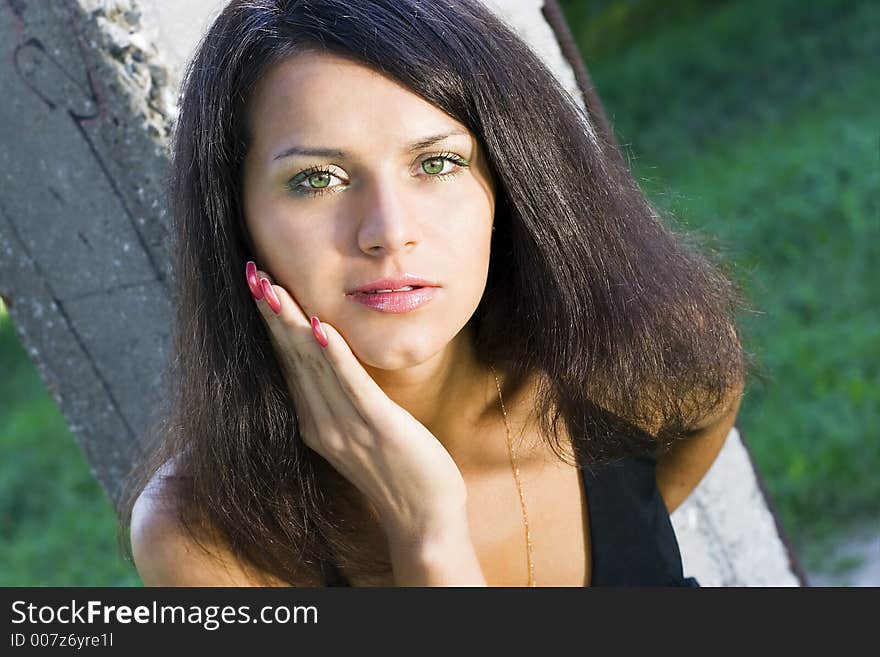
(368, 205)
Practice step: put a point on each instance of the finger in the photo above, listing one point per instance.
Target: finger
(329, 397)
(328, 418)
(307, 376)
(360, 390)
(288, 308)
(280, 311)
(252, 276)
(311, 375)
(311, 414)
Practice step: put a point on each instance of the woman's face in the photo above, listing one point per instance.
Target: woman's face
(381, 205)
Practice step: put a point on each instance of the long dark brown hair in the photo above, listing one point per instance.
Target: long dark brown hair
(631, 325)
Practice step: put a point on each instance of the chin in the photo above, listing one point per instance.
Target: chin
(394, 353)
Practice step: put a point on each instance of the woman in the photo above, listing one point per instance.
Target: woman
(497, 424)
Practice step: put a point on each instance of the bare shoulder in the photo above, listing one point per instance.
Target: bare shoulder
(724, 412)
(166, 555)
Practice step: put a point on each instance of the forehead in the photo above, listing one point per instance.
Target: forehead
(320, 97)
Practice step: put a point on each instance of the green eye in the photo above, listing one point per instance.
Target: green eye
(313, 182)
(433, 165)
(316, 180)
(319, 180)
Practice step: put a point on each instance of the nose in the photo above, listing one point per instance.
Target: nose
(390, 223)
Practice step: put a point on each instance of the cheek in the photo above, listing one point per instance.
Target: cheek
(296, 251)
(289, 250)
(467, 264)
(274, 230)
(469, 234)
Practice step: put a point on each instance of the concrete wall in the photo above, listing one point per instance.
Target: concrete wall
(83, 128)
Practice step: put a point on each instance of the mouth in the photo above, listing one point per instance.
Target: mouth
(407, 288)
(396, 284)
(400, 300)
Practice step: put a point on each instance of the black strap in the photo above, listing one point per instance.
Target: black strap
(632, 539)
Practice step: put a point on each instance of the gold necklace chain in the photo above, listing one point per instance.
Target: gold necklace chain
(515, 469)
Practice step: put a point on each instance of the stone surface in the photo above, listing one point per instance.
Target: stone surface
(726, 532)
(84, 268)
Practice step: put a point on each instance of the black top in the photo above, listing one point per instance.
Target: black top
(632, 539)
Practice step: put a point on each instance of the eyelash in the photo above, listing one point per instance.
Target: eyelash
(457, 160)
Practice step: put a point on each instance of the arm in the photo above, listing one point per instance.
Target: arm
(681, 468)
(443, 555)
(165, 555)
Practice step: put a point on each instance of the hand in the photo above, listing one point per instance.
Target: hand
(401, 467)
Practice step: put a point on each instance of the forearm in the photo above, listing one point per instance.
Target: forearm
(439, 555)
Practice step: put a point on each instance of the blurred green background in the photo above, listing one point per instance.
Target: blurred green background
(753, 123)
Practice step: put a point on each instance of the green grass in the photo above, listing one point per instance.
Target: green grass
(57, 526)
(756, 125)
(799, 219)
(741, 65)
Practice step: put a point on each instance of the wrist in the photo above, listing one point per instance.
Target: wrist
(440, 553)
(445, 525)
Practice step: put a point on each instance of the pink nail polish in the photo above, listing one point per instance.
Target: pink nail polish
(253, 283)
(271, 297)
(318, 330)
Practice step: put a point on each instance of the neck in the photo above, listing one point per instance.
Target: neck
(454, 396)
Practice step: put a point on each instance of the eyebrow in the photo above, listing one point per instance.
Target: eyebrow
(424, 142)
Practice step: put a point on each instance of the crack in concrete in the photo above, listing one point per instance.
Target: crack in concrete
(109, 290)
(105, 385)
(93, 95)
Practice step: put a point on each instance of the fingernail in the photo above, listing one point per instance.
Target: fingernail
(317, 329)
(271, 297)
(254, 284)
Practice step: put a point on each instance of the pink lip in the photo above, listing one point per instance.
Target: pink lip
(396, 302)
(393, 283)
